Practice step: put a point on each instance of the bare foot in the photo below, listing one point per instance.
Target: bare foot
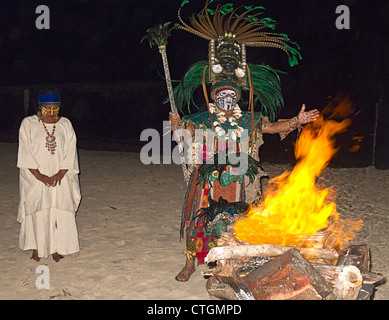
(187, 271)
(57, 256)
(35, 255)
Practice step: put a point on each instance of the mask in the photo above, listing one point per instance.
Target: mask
(226, 99)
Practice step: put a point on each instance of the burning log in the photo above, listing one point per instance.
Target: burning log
(355, 255)
(224, 268)
(275, 272)
(348, 284)
(345, 280)
(330, 273)
(369, 280)
(287, 277)
(265, 250)
(358, 256)
(218, 288)
(228, 288)
(312, 247)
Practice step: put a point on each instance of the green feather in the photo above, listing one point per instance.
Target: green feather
(266, 84)
(184, 3)
(254, 8)
(159, 34)
(183, 92)
(266, 89)
(269, 22)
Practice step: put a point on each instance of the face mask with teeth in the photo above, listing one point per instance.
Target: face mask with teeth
(226, 99)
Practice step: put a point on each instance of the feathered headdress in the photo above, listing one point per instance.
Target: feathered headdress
(229, 31)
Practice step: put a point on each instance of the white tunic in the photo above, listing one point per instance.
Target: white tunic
(47, 214)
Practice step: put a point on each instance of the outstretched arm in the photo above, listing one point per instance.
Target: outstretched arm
(284, 126)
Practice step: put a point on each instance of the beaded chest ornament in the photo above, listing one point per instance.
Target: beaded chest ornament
(48, 100)
(50, 139)
(51, 144)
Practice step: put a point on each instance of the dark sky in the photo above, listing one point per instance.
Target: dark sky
(99, 40)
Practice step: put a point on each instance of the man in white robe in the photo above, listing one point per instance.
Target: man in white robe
(49, 185)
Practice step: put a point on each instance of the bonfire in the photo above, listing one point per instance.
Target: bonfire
(293, 245)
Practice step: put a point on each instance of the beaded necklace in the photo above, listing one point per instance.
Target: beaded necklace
(233, 121)
(51, 144)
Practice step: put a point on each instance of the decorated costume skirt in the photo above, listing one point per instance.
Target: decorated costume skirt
(207, 213)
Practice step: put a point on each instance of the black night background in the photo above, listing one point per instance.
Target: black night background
(112, 85)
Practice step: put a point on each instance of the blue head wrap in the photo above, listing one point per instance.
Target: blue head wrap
(49, 98)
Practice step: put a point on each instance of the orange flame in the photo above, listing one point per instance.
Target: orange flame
(294, 208)
(357, 146)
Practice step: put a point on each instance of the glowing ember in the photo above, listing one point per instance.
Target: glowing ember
(294, 208)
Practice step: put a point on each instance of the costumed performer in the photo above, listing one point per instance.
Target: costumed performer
(49, 185)
(216, 190)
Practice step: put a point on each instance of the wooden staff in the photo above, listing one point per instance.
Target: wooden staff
(158, 36)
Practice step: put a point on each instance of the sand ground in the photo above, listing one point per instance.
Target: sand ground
(128, 224)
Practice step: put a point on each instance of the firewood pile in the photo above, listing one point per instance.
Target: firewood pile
(272, 272)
